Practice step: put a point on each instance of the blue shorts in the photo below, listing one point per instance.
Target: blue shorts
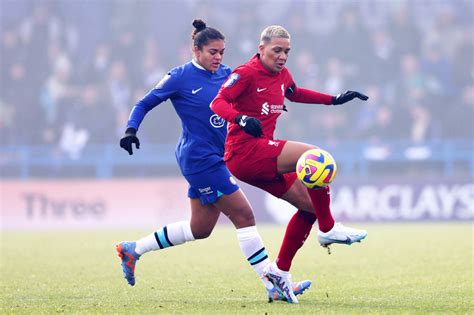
(210, 185)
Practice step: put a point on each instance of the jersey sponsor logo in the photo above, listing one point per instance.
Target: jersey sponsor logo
(163, 81)
(217, 121)
(234, 77)
(196, 90)
(271, 109)
(273, 143)
(265, 109)
(205, 191)
(261, 90)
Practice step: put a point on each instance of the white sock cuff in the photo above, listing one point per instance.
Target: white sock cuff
(180, 232)
(188, 234)
(247, 232)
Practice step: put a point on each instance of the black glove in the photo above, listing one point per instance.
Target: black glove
(129, 138)
(250, 125)
(348, 96)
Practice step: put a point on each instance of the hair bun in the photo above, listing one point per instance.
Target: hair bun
(199, 25)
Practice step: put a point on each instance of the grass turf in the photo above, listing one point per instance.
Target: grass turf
(399, 268)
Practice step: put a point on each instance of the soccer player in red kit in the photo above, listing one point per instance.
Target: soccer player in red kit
(251, 100)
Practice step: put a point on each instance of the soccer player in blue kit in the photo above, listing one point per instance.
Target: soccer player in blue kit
(191, 88)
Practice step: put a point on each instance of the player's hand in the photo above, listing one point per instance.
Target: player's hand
(250, 125)
(129, 138)
(348, 96)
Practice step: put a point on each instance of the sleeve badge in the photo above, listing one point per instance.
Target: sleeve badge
(234, 77)
(163, 81)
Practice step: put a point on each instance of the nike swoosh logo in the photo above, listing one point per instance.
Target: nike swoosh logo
(195, 91)
(243, 123)
(260, 90)
(347, 241)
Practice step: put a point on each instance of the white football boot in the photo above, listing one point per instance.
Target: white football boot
(298, 289)
(281, 280)
(340, 234)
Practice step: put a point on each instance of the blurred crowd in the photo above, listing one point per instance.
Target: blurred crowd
(72, 70)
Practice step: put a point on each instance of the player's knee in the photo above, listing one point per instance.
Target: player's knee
(301, 200)
(304, 200)
(202, 233)
(309, 217)
(247, 218)
(307, 205)
(243, 217)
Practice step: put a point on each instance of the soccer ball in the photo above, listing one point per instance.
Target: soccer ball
(316, 168)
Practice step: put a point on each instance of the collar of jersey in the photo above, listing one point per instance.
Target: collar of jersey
(261, 67)
(194, 62)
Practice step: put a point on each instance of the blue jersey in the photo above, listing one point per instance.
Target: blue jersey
(191, 89)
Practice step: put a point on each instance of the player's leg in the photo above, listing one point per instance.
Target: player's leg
(260, 171)
(230, 199)
(300, 196)
(237, 208)
(239, 211)
(289, 155)
(218, 189)
(300, 225)
(319, 198)
(203, 220)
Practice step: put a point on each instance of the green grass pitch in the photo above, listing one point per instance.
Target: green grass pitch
(399, 268)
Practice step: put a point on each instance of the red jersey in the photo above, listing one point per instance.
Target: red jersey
(254, 91)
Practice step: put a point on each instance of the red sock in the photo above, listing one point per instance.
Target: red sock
(321, 200)
(297, 232)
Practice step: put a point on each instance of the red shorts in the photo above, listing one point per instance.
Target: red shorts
(255, 162)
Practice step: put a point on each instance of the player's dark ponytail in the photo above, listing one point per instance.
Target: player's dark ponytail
(199, 25)
(202, 34)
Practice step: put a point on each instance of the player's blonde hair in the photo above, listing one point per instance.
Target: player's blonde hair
(273, 31)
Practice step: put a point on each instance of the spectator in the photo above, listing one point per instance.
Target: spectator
(406, 36)
(460, 117)
(417, 52)
(119, 86)
(423, 126)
